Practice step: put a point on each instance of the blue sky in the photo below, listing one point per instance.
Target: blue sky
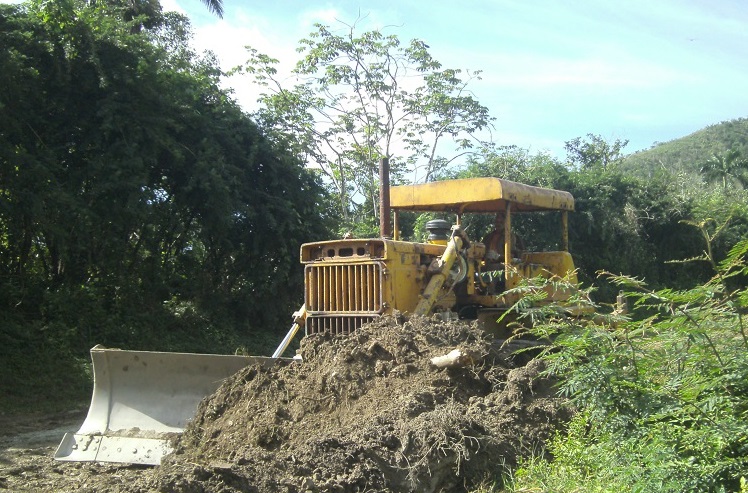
(646, 71)
(643, 70)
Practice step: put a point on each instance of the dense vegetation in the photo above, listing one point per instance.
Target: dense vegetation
(684, 157)
(660, 391)
(140, 207)
(356, 97)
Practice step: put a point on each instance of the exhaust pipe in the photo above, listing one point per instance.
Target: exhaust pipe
(385, 231)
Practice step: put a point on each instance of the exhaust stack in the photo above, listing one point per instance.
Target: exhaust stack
(385, 231)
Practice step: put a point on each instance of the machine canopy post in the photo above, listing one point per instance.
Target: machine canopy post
(396, 225)
(507, 240)
(384, 198)
(565, 231)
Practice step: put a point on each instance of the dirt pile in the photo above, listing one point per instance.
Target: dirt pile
(367, 412)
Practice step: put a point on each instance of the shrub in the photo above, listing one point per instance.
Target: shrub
(662, 391)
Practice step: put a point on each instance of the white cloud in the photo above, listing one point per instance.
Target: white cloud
(536, 72)
(551, 71)
(308, 18)
(229, 38)
(172, 6)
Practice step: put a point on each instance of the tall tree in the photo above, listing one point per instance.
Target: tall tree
(130, 184)
(726, 168)
(361, 97)
(594, 151)
(145, 14)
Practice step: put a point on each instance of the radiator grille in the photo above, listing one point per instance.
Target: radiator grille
(341, 297)
(353, 288)
(335, 325)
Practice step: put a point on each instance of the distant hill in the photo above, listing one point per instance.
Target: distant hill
(687, 154)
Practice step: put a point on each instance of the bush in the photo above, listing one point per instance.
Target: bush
(662, 391)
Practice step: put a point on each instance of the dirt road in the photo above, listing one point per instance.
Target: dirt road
(27, 445)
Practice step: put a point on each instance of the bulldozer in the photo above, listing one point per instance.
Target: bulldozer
(142, 399)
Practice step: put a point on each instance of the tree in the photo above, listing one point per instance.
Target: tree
(139, 206)
(621, 222)
(595, 151)
(726, 168)
(361, 97)
(215, 6)
(144, 14)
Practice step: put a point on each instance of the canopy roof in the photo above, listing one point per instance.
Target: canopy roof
(478, 195)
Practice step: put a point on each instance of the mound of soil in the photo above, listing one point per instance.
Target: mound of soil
(368, 412)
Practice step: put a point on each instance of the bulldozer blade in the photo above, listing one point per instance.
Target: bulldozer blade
(142, 400)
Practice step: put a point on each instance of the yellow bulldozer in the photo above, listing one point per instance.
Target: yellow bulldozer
(143, 399)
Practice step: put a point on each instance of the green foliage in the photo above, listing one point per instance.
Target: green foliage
(727, 168)
(582, 461)
(661, 391)
(707, 170)
(515, 164)
(595, 152)
(725, 214)
(140, 207)
(215, 6)
(360, 96)
(630, 225)
(683, 158)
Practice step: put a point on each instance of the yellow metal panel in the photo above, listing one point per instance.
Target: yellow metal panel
(478, 195)
(559, 264)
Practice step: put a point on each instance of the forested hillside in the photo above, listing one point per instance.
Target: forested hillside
(687, 154)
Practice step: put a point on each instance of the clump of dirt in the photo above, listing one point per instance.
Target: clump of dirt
(368, 412)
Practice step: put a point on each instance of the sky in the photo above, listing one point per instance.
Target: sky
(645, 71)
